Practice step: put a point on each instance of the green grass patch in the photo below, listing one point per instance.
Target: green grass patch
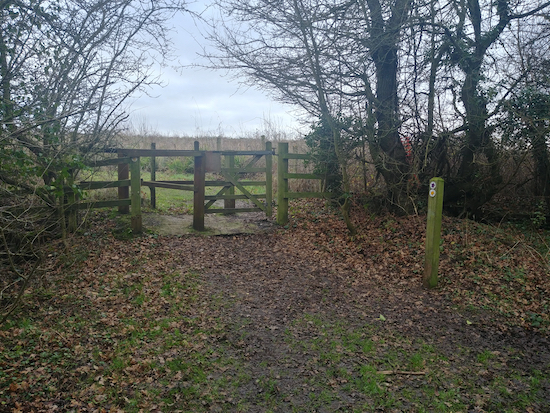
(388, 372)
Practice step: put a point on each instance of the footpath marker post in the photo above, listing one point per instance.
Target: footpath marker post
(433, 232)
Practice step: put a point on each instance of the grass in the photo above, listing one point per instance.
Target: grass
(137, 357)
(379, 367)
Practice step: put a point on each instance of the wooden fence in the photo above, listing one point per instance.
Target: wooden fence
(129, 182)
(129, 178)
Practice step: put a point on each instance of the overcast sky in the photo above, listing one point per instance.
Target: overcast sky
(199, 101)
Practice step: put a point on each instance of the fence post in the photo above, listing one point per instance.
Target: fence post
(269, 179)
(229, 203)
(282, 183)
(123, 191)
(433, 232)
(153, 177)
(135, 185)
(198, 193)
(72, 221)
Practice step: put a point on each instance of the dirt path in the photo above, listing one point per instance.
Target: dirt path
(215, 224)
(295, 320)
(276, 297)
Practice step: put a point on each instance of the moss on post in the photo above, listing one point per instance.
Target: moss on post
(229, 203)
(153, 177)
(123, 191)
(268, 179)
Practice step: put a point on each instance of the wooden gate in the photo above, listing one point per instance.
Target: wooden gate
(223, 163)
(234, 178)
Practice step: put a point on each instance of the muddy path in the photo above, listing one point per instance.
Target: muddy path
(281, 307)
(295, 319)
(215, 224)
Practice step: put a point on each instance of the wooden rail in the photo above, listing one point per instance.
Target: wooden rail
(167, 185)
(128, 178)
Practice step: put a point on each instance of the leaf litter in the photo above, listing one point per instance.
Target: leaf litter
(303, 318)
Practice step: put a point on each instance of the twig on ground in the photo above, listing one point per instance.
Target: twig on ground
(412, 373)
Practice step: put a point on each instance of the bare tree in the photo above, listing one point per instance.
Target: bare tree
(473, 37)
(525, 121)
(433, 71)
(332, 58)
(66, 71)
(288, 47)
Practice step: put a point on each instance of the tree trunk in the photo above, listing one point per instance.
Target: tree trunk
(390, 159)
(478, 176)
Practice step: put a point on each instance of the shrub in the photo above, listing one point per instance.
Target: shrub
(181, 165)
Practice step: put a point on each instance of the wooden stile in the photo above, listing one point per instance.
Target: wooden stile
(129, 181)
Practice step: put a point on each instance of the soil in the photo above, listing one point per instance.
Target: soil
(215, 224)
(271, 283)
